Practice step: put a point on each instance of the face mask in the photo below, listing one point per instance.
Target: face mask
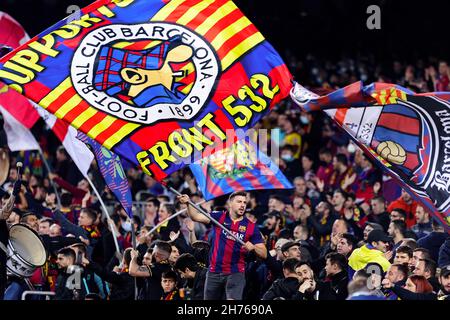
(304, 119)
(351, 148)
(287, 157)
(126, 226)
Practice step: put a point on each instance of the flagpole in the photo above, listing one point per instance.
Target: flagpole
(199, 209)
(113, 227)
(133, 244)
(170, 218)
(47, 166)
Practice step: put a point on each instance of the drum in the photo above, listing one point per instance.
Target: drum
(26, 251)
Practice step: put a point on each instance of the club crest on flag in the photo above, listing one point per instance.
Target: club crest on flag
(233, 161)
(145, 72)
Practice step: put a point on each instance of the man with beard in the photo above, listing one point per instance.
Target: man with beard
(444, 280)
(66, 258)
(227, 256)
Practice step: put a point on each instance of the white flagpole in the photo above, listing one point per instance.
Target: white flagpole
(113, 227)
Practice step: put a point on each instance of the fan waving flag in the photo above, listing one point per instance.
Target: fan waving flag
(237, 168)
(112, 171)
(407, 134)
(154, 81)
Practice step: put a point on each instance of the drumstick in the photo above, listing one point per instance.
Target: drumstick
(19, 166)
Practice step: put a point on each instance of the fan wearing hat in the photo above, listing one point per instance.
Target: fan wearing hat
(444, 280)
(372, 252)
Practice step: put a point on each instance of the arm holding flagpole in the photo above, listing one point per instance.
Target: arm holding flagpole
(199, 214)
(111, 224)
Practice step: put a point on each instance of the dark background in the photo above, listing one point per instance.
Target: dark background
(327, 28)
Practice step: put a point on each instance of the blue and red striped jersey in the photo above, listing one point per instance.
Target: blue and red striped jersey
(226, 254)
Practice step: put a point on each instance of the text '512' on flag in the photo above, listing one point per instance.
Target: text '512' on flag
(152, 80)
(237, 168)
(407, 134)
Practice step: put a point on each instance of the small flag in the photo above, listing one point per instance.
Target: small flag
(237, 168)
(112, 171)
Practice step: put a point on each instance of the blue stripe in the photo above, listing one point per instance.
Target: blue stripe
(237, 246)
(399, 109)
(408, 142)
(221, 249)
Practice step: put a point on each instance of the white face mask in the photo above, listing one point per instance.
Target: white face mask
(304, 119)
(126, 226)
(351, 148)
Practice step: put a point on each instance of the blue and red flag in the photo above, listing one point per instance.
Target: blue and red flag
(407, 134)
(152, 80)
(237, 168)
(112, 171)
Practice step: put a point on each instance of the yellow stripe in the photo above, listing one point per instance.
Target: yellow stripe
(240, 49)
(68, 106)
(106, 12)
(216, 16)
(193, 12)
(55, 93)
(101, 126)
(153, 44)
(404, 96)
(188, 88)
(188, 69)
(230, 31)
(120, 134)
(122, 44)
(83, 117)
(165, 11)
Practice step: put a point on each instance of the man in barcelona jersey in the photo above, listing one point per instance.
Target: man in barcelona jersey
(226, 257)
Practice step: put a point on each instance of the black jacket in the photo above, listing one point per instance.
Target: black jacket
(198, 288)
(383, 219)
(283, 288)
(152, 289)
(122, 284)
(61, 290)
(409, 295)
(334, 287)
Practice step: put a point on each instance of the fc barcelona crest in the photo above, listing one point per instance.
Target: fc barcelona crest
(145, 72)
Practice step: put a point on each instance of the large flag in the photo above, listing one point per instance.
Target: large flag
(25, 113)
(112, 171)
(237, 168)
(407, 134)
(152, 80)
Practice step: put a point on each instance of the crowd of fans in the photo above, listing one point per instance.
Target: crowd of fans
(346, 230)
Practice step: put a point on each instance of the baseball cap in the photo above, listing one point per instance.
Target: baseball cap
(280, 243)
(29, 213)
(375, 226)
(18, 212)
(285, 247)
(273, 213)
(378, 235)
(445, 271)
